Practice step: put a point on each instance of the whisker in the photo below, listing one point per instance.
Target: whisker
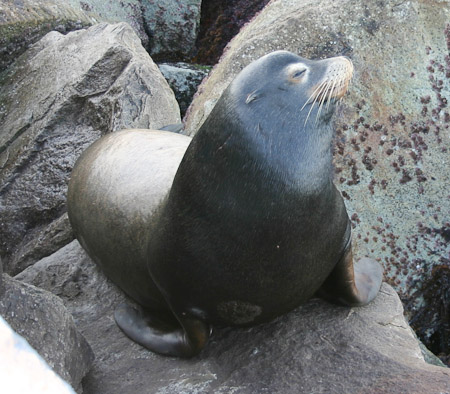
(322, 86)
(331, 92)
(337, 80)
(322, 100)
(312, 94)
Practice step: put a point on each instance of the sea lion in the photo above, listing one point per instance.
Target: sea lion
(252, 225)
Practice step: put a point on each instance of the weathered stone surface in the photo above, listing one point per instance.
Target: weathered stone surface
(167, 28)
(318, 348)
(184, 80)
(393, 131)
(112, 11)
(221, 21)
(71, 275)
(432, 320)
(172, 26)
(24, 22)
(56, 99)
(23, 370)
(1, 278)
(42, 319)
(52, 237)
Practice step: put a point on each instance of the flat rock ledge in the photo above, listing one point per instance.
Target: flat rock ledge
(317, 348)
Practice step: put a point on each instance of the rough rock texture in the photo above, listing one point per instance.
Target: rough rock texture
(172, 26)
(56, 99)
(184, 80)
(112, 11)
(393, 132)
(1, 278)
(432, 320)
(23, 370)
(318, 348)
(52, 237)
(168, 29)
(220, 22)
(24, 22)
(41, 318)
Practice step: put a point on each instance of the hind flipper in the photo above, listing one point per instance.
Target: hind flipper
(184, 337)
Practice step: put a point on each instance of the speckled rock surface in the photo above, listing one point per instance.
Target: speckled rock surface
(41, 318)
(318, 348)
(168, 28)
(220, 22)
(56, 99)
(113, 11)
(184, 80)
(52, 237)
(1, 278)
(172, 26)
(393, 132)
(22, 369)
(24, 22)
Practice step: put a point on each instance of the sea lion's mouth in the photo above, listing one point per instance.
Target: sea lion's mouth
(333, 85)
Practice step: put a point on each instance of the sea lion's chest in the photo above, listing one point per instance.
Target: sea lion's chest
(271, 250)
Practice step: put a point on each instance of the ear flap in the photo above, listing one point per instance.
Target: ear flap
(255, 95)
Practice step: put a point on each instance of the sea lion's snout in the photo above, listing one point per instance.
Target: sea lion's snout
(338, 75)
(335, 80)
(332, 83)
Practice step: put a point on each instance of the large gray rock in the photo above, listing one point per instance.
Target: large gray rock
(318, 348)
(24, 22)
(23, 370)
(41, 318)
(393, 133)
(56, 99)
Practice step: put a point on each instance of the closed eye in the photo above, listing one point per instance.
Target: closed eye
(298, 73)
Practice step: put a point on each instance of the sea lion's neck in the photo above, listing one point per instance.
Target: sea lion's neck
(301, 155)
(262, 153)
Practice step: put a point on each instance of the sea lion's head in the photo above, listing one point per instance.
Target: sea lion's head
(275, 117)
(284, 84)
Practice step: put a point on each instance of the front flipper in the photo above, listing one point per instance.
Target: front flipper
(184, 337)
(352, 285)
